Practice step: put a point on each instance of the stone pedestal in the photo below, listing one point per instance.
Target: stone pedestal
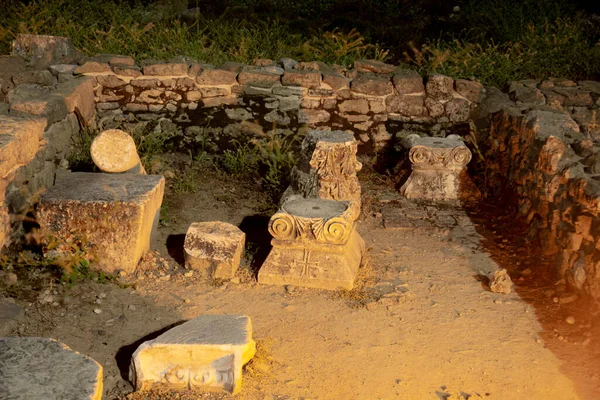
(327, 168)
(114, 215)
(39, 368)
(439, 169)
(207, 352)
(315, 244)
(114, 151)
(215, 248)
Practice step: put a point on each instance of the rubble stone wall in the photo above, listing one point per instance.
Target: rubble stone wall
(543, 147)
(38, 117)
(215, 105)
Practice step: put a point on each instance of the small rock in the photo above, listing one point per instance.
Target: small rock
(97, 311)
(10, 279)
(235, 280)
(586, 342)
(188, 274)
(570, 320)
(186, 301)
(500, 282)
(98, 301)
(102, 295)
(131, 307)
(567, 298)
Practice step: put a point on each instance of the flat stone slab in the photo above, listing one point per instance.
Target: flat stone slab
(314, 208)
(40, 368)
(214, 247)
(114, 214)
(207, 352)
(10, 315)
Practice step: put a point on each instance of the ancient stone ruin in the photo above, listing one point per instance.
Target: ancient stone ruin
(439, 169)
(207, 352)
(538, 142)
(40, 368)
(315, 244)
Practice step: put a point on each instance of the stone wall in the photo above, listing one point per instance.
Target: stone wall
(39, 113)
(542, 146)
(214, 105)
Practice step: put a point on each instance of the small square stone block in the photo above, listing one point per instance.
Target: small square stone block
(115, 214)
(40, 368)
(207, 352)
(214, 247)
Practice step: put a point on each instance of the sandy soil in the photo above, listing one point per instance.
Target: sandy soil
(422, 324)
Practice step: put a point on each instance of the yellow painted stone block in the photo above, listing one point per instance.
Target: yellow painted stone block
(205, 353)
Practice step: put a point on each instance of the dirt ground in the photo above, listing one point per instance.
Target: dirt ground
(421, 325)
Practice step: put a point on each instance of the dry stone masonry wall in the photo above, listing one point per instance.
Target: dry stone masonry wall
(214, 105)
(544, 148)
(38, 116)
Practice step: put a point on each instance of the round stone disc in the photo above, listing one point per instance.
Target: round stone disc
(114, 151)
(314, 208)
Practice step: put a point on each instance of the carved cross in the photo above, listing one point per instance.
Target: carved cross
(306, 266)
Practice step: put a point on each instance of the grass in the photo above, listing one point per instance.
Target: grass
(486, 40)
(558, 49)
(152, 33)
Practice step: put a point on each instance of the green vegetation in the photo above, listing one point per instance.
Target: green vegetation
(267, 159)
(489, 40)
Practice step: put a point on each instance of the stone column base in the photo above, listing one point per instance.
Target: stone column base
(312, 264)
(437, 184)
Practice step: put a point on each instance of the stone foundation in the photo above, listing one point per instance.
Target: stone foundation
(375, 101)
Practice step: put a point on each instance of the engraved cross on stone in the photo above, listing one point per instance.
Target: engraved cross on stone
(305, 265)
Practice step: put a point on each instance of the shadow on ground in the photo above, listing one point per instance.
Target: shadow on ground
(125, 353)
(258, 240)
(505, 237)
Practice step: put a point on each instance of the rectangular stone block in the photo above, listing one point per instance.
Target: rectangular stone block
(207, 352)
(19, 142)
(214, 247)
(114, 213)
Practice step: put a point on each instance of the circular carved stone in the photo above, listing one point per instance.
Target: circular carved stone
(114, 151)
(331, 136)
(314, 208)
